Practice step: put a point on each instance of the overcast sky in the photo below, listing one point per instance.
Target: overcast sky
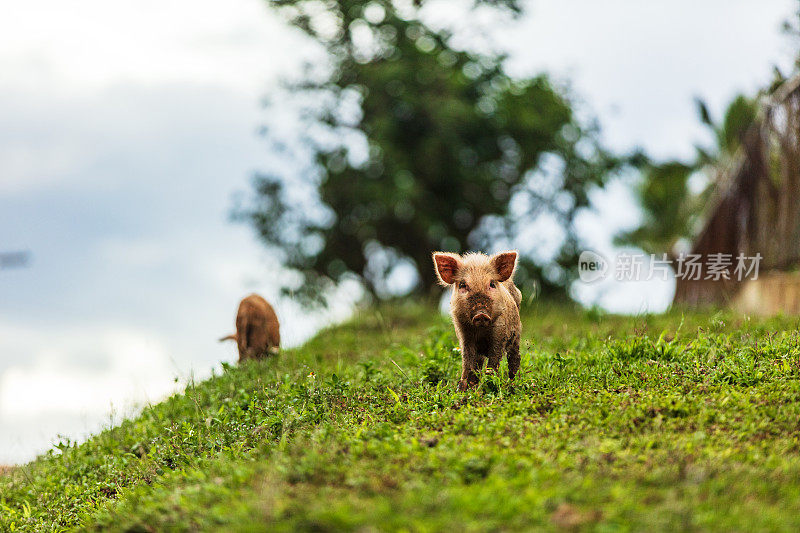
(127, 128)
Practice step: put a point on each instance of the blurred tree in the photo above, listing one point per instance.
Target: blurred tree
(448, 139)
(672, 209)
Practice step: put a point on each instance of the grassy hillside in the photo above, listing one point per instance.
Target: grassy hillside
(656, 422)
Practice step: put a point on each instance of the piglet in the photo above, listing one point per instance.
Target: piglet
(257, 329)
(485, 309)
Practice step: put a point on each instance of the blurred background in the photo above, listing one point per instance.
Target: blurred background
(160, 160)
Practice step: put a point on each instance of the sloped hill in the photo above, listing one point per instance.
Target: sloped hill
(667, 422)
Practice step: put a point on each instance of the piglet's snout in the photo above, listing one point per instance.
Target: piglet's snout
(479, 305)
(481, 319)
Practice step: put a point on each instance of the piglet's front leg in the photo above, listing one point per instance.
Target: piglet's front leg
(470, 362)
(495, 355)
(512, 354)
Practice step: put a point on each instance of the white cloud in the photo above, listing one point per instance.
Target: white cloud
(66, 380)
(129, 253)
(92, 44)
(24, 164)
(83, 371)
(639, 64)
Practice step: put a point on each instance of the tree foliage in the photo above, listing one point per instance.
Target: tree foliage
(444, 140)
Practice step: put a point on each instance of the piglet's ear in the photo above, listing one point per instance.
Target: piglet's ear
(446, 266)
(505, 263)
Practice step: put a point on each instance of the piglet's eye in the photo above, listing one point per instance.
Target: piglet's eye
(462, 285)
(493, 284)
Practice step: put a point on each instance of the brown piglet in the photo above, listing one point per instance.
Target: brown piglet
(257, 329)
(485, 309)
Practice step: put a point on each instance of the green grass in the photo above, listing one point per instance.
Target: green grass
(666, 422)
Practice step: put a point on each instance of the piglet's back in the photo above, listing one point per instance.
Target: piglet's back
(257, 328)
